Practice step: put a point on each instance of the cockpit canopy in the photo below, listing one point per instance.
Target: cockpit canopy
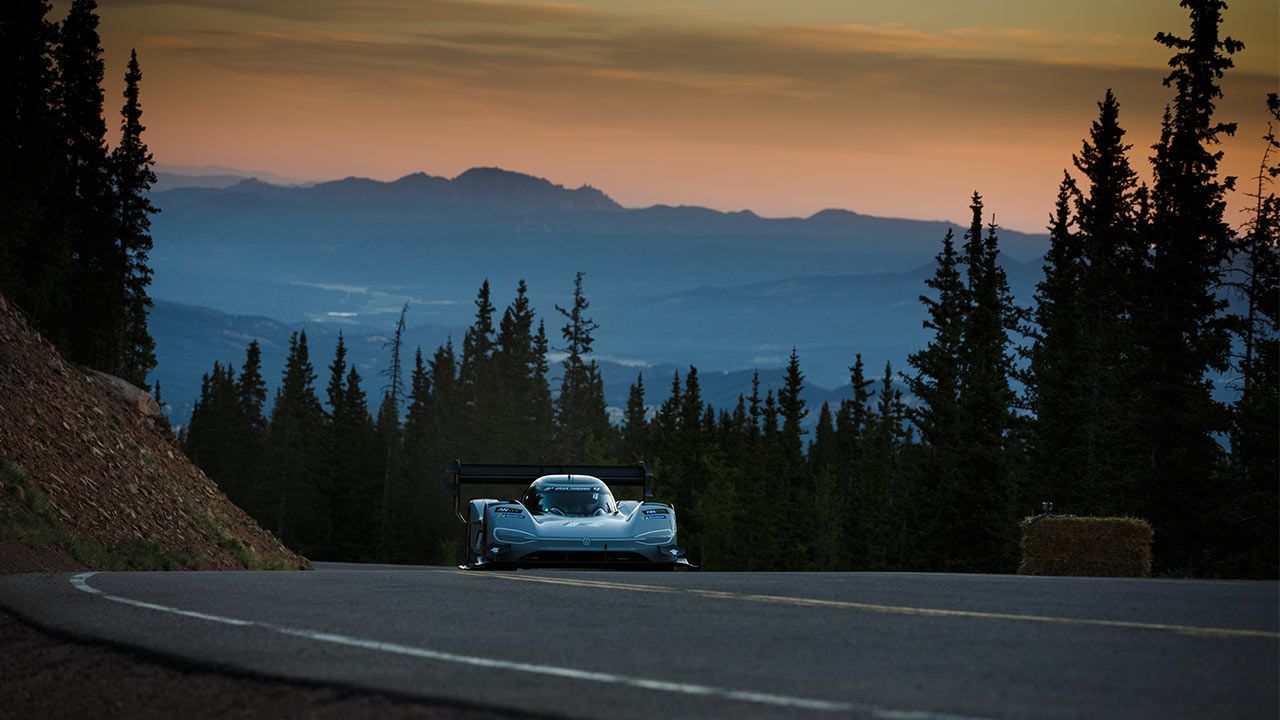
(569, 496)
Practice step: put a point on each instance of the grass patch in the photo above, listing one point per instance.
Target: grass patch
(249, 559)
(27, 516)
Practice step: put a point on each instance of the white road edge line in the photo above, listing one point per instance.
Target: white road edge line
(81, 582)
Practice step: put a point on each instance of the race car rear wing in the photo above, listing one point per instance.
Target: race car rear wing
(457, 475)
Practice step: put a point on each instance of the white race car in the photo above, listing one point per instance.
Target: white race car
(566, 518)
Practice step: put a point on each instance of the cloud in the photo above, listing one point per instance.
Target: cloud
(386, 86)
(396, 11)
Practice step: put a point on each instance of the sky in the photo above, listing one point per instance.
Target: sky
(784, 108)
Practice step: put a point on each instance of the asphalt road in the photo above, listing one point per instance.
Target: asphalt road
(702, 645)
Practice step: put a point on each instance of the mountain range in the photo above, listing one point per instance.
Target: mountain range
(669, 285)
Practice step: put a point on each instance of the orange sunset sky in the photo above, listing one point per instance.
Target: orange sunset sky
(887, 108)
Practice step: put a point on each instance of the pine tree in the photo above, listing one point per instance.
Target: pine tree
(981, 525)
(292, 452)
(35, 257)
(689, 449)
(1249, 516)
(476, 382)
(349, 490)
(389, 422)
(417, 507)
(824, 451)
(99, 264)
(446, 403)
(335, 391)
(936, 382)
(791, 405)
(133, 173)
(251, 397)
(582, 420)
(936, 385)
(1114, 268)
(1186, 333)
(664, 432)
(213, 432)
(523, 409)
(888, 499)
(1057, 392)
(358, 459)
(387, 442)
(825, 501)
(441, 426)
(635, 425)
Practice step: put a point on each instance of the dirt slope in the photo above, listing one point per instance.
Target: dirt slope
(83, 456)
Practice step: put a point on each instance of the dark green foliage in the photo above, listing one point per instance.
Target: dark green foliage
(214, 431)
(227, 431)
(76, 230)
(1250, 503)
(349, 490)
(583, 429)
(634, 437)
(523, 412)
(132, 165)
(35, 257)
(388, 424)
(476, 378)
(980, 505)
(1185, 334)
(289, 505)
(1056, 387)
(1084, 361)
(1117, 415)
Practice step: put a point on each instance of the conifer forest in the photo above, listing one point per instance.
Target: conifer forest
(1099, 397)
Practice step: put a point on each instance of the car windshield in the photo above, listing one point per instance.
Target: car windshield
(569, 500)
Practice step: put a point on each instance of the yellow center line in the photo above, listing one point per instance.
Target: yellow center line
(1193, 630)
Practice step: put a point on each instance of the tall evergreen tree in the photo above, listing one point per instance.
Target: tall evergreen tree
(417, 512)
(635, 425)
(981, 525)
(1249, 516)
(1056, 387)
(791, 406)
(133, 172)
(251, 395)
(936, 385)
(293, 448)
(1114, 268)
(936, 382)
(664, 433)
(359, 474)
(1185, 331)
(882, 497)
(523, 407)
(388, 441)
(35, 256)
(99, 264)
(389, 421)
(476, 381)
(582, 420)
(213, 432)
(824, 451)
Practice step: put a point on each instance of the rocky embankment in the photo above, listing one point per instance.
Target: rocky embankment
(91, 475)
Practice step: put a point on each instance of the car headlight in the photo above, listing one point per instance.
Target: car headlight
(514, 537)
(655, 537)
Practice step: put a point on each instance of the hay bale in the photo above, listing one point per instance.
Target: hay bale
(1103, 547)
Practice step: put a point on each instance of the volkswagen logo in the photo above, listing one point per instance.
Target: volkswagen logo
(586, 541)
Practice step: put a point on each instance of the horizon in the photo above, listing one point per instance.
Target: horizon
(269, 178)
(892, 112)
